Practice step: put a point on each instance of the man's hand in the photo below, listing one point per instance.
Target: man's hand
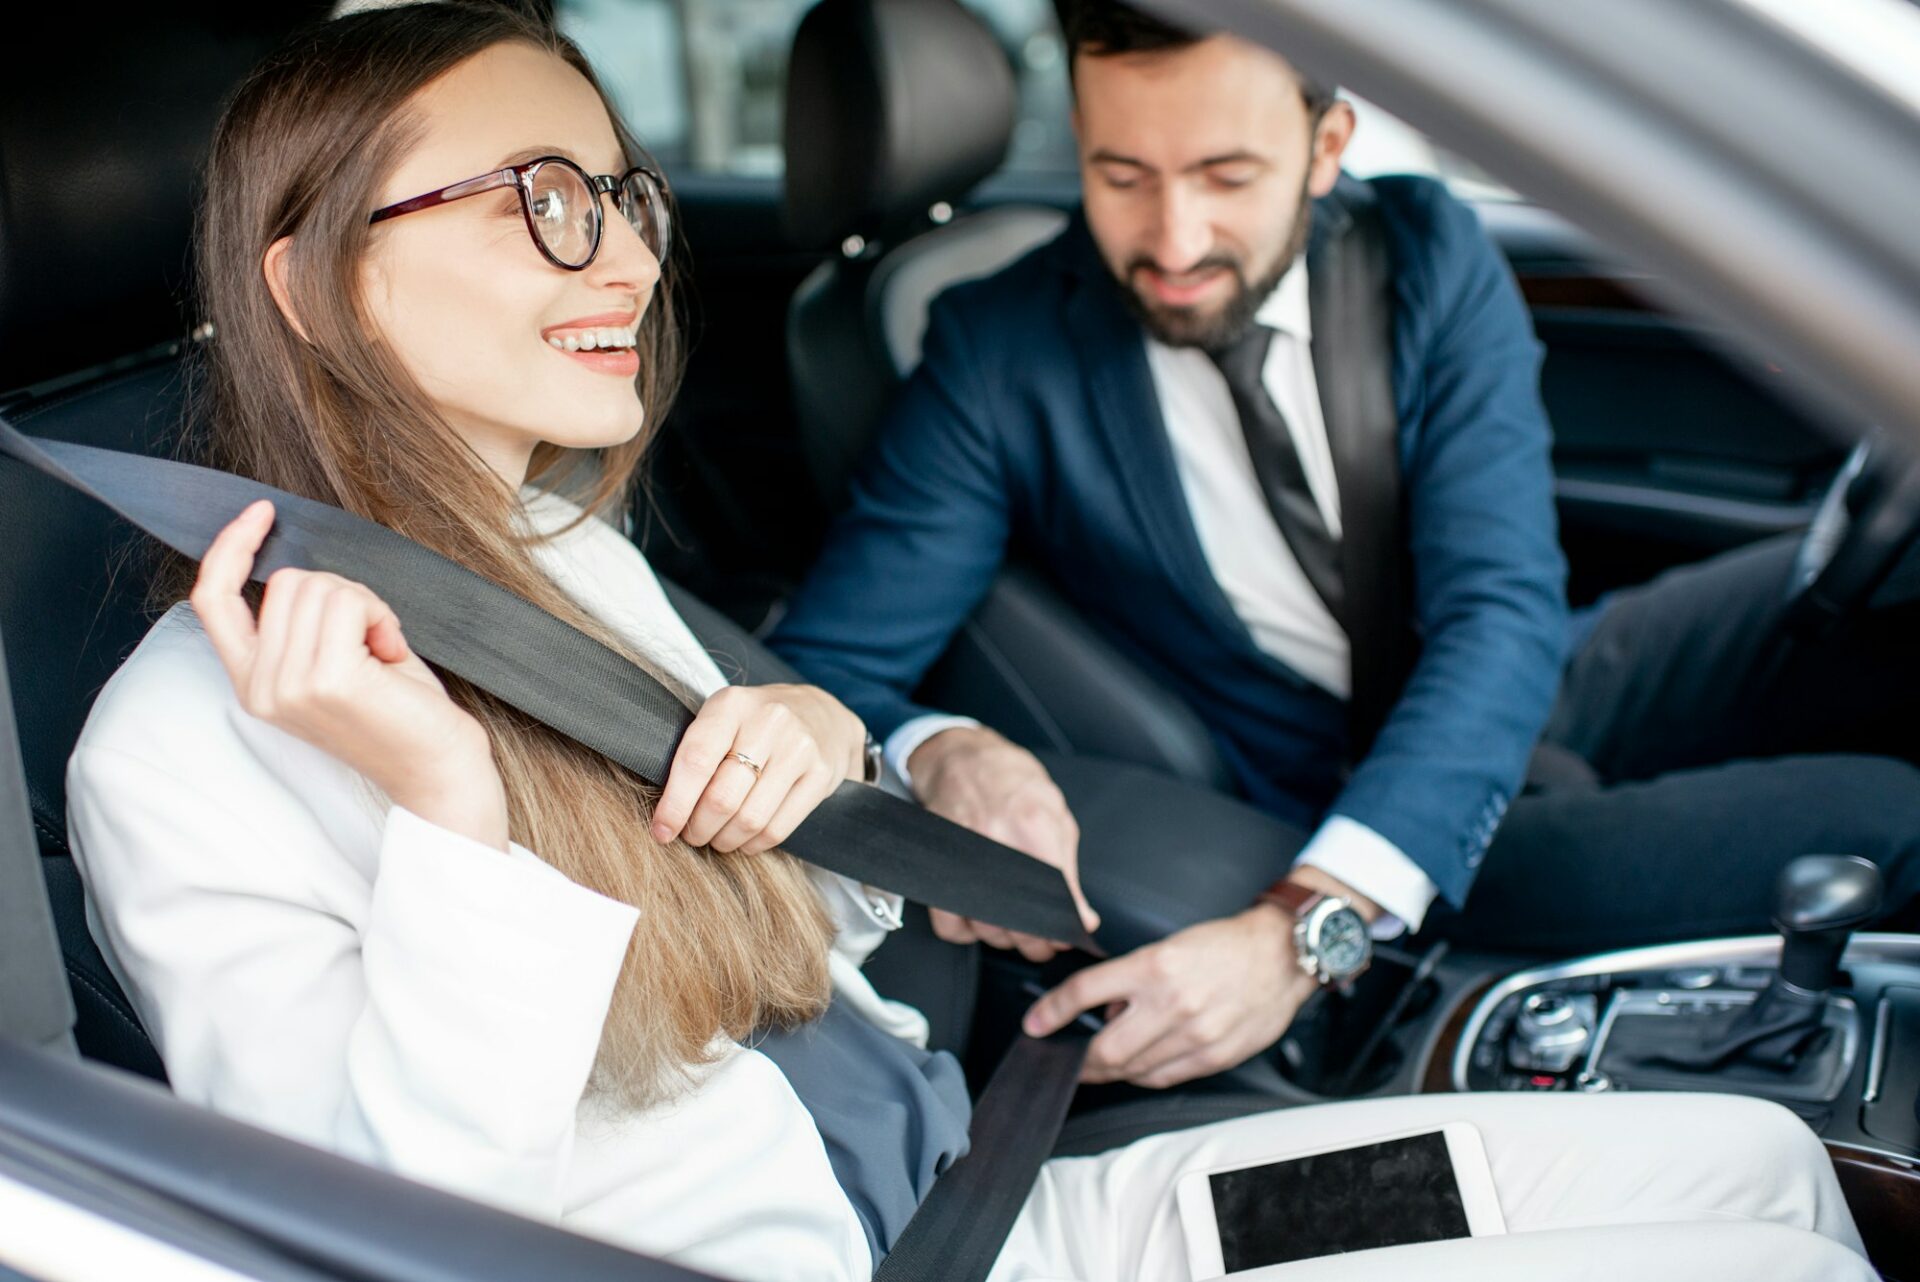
(1196, 1003)
(980, 780)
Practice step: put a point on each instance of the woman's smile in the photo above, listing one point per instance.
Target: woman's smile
(602, 343)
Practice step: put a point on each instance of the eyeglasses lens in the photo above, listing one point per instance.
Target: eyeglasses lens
(563, 213)
(646, 209)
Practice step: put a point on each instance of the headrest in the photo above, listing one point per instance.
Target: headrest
(102, 136)
(892, 106)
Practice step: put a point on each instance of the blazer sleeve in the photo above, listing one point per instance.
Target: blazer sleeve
(919, 545)
(1489, 579)
(443, 1026)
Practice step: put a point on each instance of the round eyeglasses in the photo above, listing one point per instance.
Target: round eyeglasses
(561, 203)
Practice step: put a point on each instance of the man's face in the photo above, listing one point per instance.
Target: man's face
(1198, 166)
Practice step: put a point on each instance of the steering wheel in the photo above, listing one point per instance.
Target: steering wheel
(1866, 523)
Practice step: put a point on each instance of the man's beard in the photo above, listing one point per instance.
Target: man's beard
(1192, 327)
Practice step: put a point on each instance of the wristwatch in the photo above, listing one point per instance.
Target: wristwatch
(1330, 939)
(874, 759)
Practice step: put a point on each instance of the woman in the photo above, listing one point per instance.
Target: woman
(363, 903)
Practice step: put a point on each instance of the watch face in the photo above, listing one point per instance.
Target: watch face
(1341, 943)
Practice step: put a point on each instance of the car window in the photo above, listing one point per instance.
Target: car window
(703, 81)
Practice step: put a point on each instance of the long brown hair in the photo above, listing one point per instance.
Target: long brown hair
(724, 943)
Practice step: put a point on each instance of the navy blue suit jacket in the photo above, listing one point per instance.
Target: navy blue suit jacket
(1033, 419)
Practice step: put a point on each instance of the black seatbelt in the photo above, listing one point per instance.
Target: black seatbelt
(553, 672)
(558, 675)
(1350, 292)
(957, 1233)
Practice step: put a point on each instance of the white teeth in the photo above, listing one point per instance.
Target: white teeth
(595, 339)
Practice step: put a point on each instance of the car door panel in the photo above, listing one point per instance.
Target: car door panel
(1667, 448)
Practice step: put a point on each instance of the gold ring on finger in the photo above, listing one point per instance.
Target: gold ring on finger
(744, 760)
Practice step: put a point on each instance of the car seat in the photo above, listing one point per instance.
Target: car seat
(93, 235)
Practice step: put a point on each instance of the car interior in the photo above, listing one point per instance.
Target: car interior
(810, 299)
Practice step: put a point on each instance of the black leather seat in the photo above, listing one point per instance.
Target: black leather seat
(100, 147)
(896, 109)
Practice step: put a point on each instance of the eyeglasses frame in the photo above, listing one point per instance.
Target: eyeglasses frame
(520, 178)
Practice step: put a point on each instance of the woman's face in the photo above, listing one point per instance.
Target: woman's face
(465, 299)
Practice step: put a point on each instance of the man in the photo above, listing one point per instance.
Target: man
(1139, 403)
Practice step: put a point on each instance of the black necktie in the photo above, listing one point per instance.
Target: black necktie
(1277, 463)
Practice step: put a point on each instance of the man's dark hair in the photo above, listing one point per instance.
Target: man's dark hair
(1101, 28)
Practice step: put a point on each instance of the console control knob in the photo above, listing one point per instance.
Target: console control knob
(1543, 1012)
(1552, 1032)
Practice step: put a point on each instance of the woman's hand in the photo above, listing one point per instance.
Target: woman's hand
(326, 662)
(803, 741)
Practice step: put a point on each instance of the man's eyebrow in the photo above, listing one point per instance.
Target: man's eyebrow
(1240, 157)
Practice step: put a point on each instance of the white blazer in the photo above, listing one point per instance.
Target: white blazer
(316, 961)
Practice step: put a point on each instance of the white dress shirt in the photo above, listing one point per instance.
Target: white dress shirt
(315, 961)
(1256, 567)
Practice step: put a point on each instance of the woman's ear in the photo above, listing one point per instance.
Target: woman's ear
(274, 268)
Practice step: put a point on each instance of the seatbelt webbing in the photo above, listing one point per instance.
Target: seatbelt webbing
(963, 1223)
(566, 679)
(1350, 283)
(557, 674)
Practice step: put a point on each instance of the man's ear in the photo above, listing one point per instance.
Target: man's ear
(274, 268)
(1330, 139)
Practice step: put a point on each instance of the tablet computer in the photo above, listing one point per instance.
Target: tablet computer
(1393, 1190)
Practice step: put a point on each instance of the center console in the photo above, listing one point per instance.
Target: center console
(1604, 1023)
(1817, 1019)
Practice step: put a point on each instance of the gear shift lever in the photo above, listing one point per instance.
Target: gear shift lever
(1818, 902)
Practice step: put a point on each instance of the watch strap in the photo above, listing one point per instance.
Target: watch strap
(1296, 899)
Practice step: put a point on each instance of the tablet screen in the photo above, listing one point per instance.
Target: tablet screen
(1391, 1193)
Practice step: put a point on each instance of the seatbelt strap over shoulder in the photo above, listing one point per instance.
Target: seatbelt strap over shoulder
(1351, 295)
(558, 675)
(566, 679)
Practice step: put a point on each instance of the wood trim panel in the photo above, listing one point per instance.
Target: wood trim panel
(1437, 1078)
(1883, 1192)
